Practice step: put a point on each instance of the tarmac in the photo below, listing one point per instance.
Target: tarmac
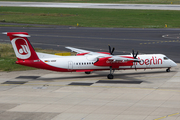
(171, 6)
(132, 95)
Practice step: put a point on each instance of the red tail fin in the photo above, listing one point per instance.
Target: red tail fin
(22, 47)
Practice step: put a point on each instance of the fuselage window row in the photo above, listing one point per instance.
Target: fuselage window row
(81, 63)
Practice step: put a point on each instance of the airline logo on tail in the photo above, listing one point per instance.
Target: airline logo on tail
(21, 48)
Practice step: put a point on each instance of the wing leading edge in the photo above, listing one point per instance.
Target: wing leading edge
(101, 55)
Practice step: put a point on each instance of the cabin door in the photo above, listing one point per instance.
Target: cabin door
(70, 65)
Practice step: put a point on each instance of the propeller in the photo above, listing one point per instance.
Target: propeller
(135, 57)
(111, 51)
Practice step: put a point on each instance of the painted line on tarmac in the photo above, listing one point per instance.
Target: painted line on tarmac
(2, 40)
(90, 37)
(170, 41)
(167, 116)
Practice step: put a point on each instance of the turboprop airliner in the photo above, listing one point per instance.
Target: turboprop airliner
(84, 61)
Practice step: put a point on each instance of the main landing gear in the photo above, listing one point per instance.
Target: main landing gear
(168, 70)
(111, 76)
(87, 72)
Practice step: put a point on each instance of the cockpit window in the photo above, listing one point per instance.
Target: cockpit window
(166, 58)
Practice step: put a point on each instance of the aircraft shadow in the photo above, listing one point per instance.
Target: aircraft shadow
(100, 74)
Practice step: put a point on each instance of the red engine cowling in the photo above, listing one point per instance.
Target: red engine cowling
(115, 64)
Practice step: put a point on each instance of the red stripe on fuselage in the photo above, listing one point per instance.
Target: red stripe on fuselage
(41, 65)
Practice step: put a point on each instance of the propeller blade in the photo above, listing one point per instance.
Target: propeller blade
(134, 66)
(133, 53)
(136, 55)
(112, 51)
(109, 49)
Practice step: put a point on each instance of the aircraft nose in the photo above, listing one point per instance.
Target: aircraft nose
(173, 64)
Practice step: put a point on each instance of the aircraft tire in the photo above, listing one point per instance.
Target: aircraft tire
(168, 70)
(87, 72)
(110, 76)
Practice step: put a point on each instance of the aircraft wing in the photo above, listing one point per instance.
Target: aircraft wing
(78, 50)
(81, 51)
(101, 55)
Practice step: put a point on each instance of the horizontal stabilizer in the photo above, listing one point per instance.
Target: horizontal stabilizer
(15, 34)
(21, 35)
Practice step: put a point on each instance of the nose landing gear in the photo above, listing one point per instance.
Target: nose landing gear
(168, 70)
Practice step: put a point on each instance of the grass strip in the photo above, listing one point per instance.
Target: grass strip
(107, 1)
(91, 17)
(8, 58)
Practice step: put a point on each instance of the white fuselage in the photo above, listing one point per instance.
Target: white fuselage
(148, 61)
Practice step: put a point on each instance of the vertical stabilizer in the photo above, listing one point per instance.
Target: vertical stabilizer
(21, 45)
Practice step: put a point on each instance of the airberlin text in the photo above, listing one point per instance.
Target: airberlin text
(151, 61)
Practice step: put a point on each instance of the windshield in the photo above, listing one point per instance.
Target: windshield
(166, 58)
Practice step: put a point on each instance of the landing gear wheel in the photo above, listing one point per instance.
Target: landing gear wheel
(168, 70)
(110, 76)
(88, 72)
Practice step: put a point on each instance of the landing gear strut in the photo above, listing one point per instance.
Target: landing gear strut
(111, 76)
(168, 70)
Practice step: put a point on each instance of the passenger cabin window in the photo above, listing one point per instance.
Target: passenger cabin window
(166, 58)
(88, 63)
